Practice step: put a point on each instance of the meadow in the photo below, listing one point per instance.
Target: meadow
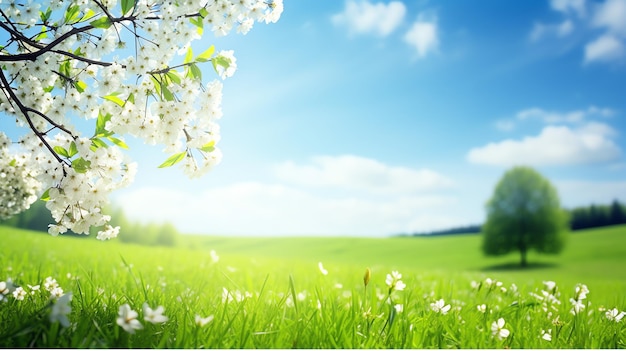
(223, 292)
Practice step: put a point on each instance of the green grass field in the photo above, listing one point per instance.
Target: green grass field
(270, 293)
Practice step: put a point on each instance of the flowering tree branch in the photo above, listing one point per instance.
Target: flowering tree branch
(61, 62)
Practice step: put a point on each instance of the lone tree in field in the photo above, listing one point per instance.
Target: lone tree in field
(524, 213)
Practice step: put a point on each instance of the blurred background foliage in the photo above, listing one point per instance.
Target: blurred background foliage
(38, 217)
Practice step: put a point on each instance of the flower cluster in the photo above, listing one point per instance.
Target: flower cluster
(614, 315)
(440, 306)
(61, 64)
(394, 282)
(127, 317)
(577, 301)
(18, 185)
(548, 296)
(60, 302)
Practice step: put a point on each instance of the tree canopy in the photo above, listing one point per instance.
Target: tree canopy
(524, 213)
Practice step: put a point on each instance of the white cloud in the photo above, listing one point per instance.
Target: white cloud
(565, 28)
(541, 30)
(553, 117)
(366, 18)
(567, 6)
(555, 145)
(361, 174)
(423, 36)
(604, 48)
(505, 125)
(538, 31)
(342, 195)
(611, 15)
(559, 117)
(610, 46)
(254, 208)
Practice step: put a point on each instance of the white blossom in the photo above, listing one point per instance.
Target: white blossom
(127, 319)
(154, 316)
(61, 309)
(498, 330)
(440, 306)
(614, 315)
(201, 322)
(394, 281)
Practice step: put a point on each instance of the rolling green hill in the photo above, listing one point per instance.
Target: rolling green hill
(593, 256)
(596, 257)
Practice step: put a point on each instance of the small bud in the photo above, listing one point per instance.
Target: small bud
(366, 277)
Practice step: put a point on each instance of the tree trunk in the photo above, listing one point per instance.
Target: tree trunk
(523, 261)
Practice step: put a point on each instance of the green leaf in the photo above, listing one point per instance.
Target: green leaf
(65, 68)
(101, 123)
(220, 61)
(196, 73)
(45, 16)
(71, 14)
(102, 22)
(73, 149)
(206, 55)
(115, 100)
(293, 292)
(118, 142)
(197, 21)
(167, 93)
(189, 55)
(61, 151)
(208, 147)
(392, 315)
(46, 195)
(98, 143)
(42, 35)
(174, 76)
(174, 159)
(90, 14)
(127, 5)
(13, 163)
(157, 85)
(81, 165)
(80, 86)
(131, 98)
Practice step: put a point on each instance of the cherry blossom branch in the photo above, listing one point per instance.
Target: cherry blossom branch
(25, 111)
(31, 56)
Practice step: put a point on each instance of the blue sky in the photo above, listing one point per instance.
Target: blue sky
(340, 122)
(367, 118)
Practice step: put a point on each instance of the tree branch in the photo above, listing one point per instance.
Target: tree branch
(25, 111)
(33, 55)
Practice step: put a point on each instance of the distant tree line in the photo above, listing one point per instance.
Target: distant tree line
(468, 229)
(583, 217)
(37, 218)
(597, 215)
